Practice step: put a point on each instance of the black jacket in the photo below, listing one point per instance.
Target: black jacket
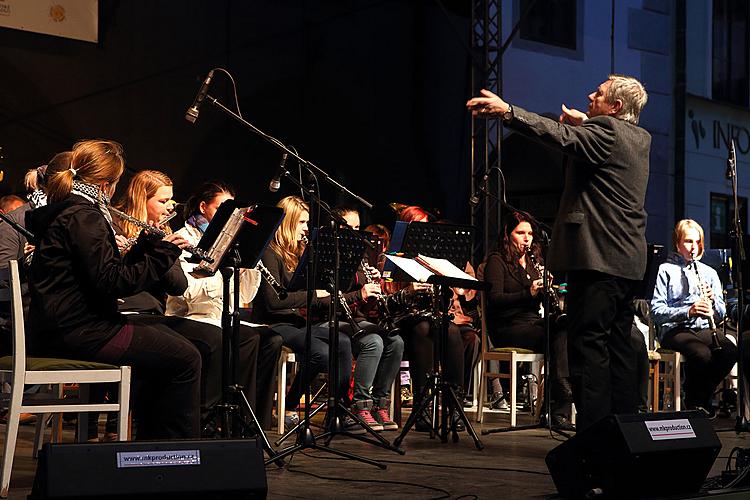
(151, 301)
(510, 297)
(269, 309)
(601, 222)
(77, 275)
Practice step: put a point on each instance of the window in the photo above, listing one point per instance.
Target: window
(550, 21)
(722, 213)
(730, 51)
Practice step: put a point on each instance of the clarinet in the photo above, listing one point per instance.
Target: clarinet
(195, 251)
(386, 320)
(345, 309)
(281, 292)
(554, 301)
(715, 345)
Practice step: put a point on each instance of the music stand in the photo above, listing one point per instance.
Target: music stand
(338, 253)
(236, 238)
(452, 243)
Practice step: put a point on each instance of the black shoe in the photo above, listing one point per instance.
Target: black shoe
(561, 423)
(457, 422)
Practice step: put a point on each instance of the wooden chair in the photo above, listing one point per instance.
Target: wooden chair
(671, 377)
(287, 357)
(24, 371)
(512, 355)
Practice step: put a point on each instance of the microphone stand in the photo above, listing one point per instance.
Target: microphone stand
(741, 424)
(305, 437)
(282, 147)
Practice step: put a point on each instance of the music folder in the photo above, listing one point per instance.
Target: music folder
(424, 269)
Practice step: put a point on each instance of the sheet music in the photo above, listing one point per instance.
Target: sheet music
(443, 267)
(411, 267)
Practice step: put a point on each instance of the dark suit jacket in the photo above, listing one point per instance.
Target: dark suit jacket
(601, 222)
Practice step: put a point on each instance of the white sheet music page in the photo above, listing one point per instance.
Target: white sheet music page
(443, 267)
(411, 267)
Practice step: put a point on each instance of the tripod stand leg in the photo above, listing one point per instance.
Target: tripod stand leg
(378, 441)
(426, 395)
(300, 424)
(264, 439)
(450, 397)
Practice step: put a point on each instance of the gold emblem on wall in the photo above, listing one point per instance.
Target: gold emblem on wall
(57, 13)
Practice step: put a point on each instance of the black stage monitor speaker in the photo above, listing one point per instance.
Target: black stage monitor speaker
(636, 456)
(226, 469)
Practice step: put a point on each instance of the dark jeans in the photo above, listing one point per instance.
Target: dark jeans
(601, 355)
(260, 378)
(167, 368)
(206, 338)
(294, 338)
(704, 367)
(418, 334)
(378, 361)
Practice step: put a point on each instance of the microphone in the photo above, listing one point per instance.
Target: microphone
(192, 112)
(481, 189)
(731, 161)
(275, 183)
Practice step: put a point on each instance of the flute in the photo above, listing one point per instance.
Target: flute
(195, 251)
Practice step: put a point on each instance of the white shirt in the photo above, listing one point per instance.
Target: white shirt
(203, 300)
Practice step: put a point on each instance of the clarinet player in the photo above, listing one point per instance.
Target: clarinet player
(686, 295)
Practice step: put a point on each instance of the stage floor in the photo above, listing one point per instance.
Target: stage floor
(510, 466)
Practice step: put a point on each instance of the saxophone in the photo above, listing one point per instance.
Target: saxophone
(384, 315)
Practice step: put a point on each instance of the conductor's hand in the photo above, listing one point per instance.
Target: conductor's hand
(572, 116)
(176, 239)
(487, 105)
(536, 285)
(700, 308)
(370, 290)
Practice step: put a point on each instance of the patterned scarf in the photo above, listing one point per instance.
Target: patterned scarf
(96, 196)
(198, 221)
(37, 198)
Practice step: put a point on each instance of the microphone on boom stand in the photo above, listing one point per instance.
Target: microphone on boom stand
(191, 114)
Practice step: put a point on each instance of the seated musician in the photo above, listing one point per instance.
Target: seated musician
(76, 277)
(287, 316)
(378, 350)
(419, 327)
(687, 305)
(513, 305)
(202, 301)
(148, 199)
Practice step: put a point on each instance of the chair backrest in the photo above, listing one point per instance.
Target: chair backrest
(16, 311)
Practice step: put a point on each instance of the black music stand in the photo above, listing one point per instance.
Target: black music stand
(453, 243)
(245, 245)
(338, 255)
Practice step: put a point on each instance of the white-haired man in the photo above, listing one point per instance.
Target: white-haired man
(599, 234)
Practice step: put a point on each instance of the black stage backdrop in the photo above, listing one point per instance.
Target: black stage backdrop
(371, 91)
